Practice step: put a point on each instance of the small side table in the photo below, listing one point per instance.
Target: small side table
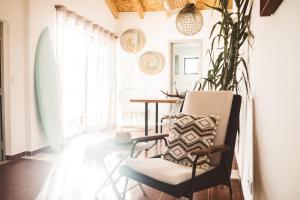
(107, 147)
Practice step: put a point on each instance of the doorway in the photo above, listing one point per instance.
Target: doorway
(2, 146)
(186, 58)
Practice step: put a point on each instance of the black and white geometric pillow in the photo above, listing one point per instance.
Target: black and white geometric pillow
(188, 133)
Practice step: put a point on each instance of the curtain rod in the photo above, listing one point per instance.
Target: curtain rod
(70, 12)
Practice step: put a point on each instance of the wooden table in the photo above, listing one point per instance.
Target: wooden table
(156, 101)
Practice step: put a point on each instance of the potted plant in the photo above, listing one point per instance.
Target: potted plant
(229, 35)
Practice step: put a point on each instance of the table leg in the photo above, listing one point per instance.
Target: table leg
(156, 117)
(125, 189)
(146, 119)
(113, 184)
(156, 125)
(109, 178)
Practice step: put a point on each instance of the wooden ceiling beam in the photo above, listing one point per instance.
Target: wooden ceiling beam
(139, 8)
(157, 5)
(113, 9)
(143, 6)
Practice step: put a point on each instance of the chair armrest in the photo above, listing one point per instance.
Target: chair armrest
(149, 138)
(204, 152)
(213, 149)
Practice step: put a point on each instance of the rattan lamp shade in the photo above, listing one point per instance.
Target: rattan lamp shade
(189, 20)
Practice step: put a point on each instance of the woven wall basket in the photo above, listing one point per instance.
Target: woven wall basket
(132, 40)
(151, 63)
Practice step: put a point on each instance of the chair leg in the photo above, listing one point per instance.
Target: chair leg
(161, 121)
(142, 189)
(125, 189)
(160, 196)
(230, 192)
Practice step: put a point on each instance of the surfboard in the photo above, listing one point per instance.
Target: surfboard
(46, 77)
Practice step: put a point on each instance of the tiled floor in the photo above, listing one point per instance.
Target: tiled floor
(73, 175)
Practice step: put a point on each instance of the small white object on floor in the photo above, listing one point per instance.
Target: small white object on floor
(122, 137)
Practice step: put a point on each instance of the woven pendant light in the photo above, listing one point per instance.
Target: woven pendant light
(189, 20)
(173, 6)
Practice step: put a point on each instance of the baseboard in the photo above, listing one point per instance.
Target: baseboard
(28, 153)
(15, 156)
(40, 150)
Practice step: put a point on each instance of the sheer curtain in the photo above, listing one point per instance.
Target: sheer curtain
(86, 56)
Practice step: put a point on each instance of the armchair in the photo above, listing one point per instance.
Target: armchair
(183, 181)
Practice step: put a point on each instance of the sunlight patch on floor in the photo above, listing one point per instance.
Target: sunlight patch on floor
(77, 173)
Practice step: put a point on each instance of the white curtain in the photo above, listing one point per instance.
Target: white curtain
(86, 56)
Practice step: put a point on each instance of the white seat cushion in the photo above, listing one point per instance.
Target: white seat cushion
(163, 170)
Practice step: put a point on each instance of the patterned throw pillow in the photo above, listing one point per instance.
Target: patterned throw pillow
(188, 133)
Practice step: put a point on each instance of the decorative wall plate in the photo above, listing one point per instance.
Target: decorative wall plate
(132, 40)
(151, 62)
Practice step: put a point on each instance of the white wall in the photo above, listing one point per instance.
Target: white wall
(26, 19)
(275, 70)
(12, 13)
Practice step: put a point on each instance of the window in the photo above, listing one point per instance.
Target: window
(191, 65)
(86, 56)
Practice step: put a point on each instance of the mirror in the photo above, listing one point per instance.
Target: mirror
(186, 64)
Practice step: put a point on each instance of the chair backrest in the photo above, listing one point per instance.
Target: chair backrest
(176, 107)
(211, 103)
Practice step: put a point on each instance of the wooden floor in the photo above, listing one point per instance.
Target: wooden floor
(22, 179)
(69, 178)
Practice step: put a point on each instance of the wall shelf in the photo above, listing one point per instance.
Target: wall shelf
(269, 7)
